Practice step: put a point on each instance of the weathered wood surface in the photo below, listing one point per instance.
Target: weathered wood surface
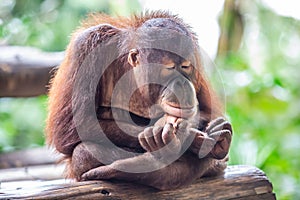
(238, 182)
(25, 71)
(31, 173)
(28, 157)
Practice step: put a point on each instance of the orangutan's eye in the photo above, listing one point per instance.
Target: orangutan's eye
(185, 67)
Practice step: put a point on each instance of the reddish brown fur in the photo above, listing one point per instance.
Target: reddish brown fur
(60, 130)
(60, 105)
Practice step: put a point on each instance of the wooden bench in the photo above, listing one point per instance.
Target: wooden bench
(21, 76)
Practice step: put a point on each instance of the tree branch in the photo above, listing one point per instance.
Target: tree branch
(26, 71)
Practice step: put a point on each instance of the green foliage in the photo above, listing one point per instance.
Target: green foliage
(262, 87)
(22, 122)
(45, 24)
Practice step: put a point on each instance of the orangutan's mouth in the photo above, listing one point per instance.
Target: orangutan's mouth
(179, 111)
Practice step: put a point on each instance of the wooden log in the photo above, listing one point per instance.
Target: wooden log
(29, 157)
(30, 173)
(238, 182)
(25, 71)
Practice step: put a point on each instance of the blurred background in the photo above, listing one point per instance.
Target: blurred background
(254, 44)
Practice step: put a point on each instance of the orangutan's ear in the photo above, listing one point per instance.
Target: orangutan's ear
(133, 57)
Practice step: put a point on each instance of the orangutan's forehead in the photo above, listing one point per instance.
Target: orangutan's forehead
(161, 56)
